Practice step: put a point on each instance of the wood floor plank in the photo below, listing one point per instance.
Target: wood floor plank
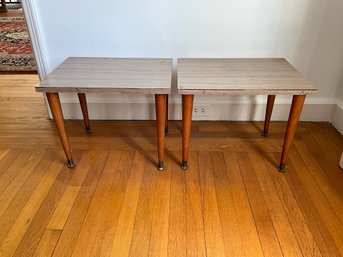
(3, 153)
(111, 210)
(63, 209)
(283, 229)
(232, 238)
(177, 245)
(17, 165)
(11, 213)
(158, 246)
(77, 215)
(294, 214)
(35, 231)
(18, 181)
(331, 169)
(251, 241)
(124, 228)
(212, 225)
(194, 217)
(303, 177)
(265, 227)
(335, 135)
(325, 184)
(337, 234)
(143, 221)
(14, 90)
(329, 142)
(47, 243)
(303, 197)
(30, 79)
(88, 232)
(145, 143)
(18, 229)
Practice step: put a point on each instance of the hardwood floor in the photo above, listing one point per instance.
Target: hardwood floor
(12, 13)
(230, 202)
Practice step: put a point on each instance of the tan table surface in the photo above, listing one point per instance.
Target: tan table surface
(243, 76)
(110, 75)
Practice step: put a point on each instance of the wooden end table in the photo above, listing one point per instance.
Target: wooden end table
(109, 75)
(262, 76)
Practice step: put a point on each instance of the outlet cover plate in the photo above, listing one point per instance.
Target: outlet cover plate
(201, 110)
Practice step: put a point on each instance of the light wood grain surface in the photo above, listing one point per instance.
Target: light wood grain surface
(260, 76)
(110, 75)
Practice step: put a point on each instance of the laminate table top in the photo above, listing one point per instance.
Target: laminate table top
(244, 76)
(110, 75)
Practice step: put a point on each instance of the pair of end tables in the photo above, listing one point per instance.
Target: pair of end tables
(260, 76)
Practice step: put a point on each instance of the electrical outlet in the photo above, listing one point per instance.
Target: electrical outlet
(200, 110)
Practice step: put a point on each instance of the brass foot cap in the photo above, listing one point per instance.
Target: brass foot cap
(282, 167)
(70, 164)
(88, 130)
(184, 165)
(264, 134)
(160, 166)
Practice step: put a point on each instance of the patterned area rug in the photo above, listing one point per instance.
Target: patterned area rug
(15, 47)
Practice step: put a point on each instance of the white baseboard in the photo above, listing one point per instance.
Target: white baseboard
(337, 117)
(218, 108)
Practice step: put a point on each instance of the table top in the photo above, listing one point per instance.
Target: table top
(110, 75)
(258, 76)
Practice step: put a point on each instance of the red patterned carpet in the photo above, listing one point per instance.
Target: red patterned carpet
(15, 48)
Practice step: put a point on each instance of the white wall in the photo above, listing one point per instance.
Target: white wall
(337, 115)
(327, 64)
(217, 28)
(304, 32)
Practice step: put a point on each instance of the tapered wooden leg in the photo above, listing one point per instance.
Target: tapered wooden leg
(166, 125)
(55, 106)
(160, 101)
(84, 109)
(187, 109)
(294, 115)
(269, 110)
